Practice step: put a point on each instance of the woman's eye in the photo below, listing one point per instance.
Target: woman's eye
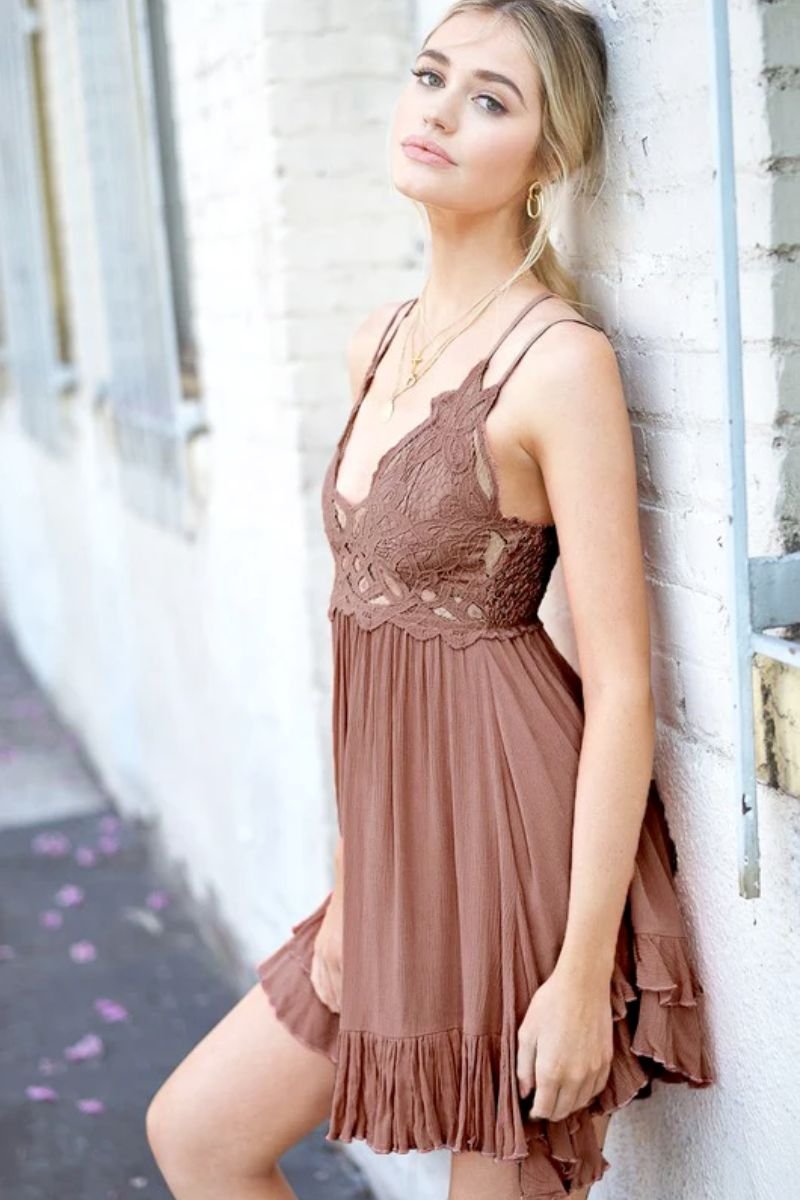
(500, 108)
(422, 71)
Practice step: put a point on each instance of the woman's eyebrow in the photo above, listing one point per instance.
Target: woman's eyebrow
(489, 76)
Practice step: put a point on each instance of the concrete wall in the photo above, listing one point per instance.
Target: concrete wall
(197, 671)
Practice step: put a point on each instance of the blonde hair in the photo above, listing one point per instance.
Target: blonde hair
(566, 44)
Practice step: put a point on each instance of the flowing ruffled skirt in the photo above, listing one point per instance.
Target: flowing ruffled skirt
(455, 773)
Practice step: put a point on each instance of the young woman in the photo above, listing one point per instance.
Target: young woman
(502, 961)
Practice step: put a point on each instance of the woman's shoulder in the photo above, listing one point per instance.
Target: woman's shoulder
(374, 322)
(557, 337)
(366, 337)
(558, 310)
(565, 365)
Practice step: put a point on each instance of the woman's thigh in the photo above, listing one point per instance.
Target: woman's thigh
(476, 1176)
(242, 1096)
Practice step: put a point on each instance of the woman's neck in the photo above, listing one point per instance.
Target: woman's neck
(466, 261)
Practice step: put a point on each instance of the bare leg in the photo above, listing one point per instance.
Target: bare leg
(246, 1093)
(476, 1176)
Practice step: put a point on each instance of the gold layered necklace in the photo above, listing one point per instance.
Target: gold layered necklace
(419, 365)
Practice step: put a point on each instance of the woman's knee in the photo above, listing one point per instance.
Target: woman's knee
(239, 1099)
(186, 1143)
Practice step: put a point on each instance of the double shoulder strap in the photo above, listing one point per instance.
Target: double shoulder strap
(385, 340)
(406, 305)
(523, 351)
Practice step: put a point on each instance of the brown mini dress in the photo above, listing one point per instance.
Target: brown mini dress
(457, 731)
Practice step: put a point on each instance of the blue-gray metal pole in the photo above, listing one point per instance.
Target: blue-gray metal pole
(731, 361)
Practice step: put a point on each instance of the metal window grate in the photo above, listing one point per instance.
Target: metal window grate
(765, 592)
(144, 390)
(32, 355)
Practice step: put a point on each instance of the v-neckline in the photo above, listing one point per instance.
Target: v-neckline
(478, 368)
(402, 441)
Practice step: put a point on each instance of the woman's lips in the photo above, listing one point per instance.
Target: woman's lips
(426, 156)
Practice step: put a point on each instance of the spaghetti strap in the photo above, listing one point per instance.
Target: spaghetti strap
(526, 308)
(520, 355)
(383, 345)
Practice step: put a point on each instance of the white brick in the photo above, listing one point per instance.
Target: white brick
(698, 386)
(311, 16)
(689, 624)
(691, 468)
(663, 304)
(295, 233)
(324, 55)
(708, 702)
(648, 381)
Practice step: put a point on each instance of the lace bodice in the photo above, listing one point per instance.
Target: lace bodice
(428, 547)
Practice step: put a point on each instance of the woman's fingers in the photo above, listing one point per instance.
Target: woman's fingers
(317, 984)
(546, 1099)
(599, 1082)
(526, 1062)
(565, 1100)
(326, 978)
(319, 978)
(557, 1096)
(333, 989)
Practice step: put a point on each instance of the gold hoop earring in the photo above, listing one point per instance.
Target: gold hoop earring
(534, 216)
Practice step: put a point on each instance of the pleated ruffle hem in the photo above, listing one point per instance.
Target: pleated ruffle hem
(456, 820)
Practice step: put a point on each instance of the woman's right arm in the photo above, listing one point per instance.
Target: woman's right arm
(326, 963)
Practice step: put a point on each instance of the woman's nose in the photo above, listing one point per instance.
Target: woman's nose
(437, 114)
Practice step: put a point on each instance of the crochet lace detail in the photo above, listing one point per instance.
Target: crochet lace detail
(428, 547)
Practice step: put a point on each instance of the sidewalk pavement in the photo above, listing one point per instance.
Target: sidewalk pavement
(105, 981)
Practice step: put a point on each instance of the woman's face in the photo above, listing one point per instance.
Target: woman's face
(488, 127)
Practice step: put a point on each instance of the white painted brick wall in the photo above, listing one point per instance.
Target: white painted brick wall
(659, 250)
(214, 714)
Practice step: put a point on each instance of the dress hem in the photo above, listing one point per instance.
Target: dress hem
(285, 978)
(458, 1091)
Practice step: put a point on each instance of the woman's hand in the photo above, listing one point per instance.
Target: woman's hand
(565, 1045)
(326, 962)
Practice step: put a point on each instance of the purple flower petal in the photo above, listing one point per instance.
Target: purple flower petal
(7, 952)
(110, 1010)
(38, 1091)
(109, 823)
(157, 899)
(85, 856)
(107, 843)
(91, 1105)
(89, 1046)
(51, 844)
(69, 895)
(81, 952)
(51, 918)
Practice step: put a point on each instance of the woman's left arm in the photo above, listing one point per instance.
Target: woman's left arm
(578, 430)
